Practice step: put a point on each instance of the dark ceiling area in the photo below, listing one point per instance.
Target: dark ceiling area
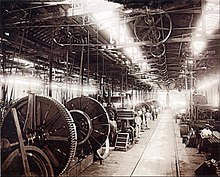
(72, 45)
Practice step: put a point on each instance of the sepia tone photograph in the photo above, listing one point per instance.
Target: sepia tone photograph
(110, 88)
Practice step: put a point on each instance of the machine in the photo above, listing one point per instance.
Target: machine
(42, 137)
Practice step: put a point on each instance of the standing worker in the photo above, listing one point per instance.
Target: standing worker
(138, 122)
(148, 116)
(113, 131)
(156, 112)
(143, 125)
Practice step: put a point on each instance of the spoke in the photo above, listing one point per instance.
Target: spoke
(144, 37)
(158, 20)
(105, 124)
(86, 130)
(101, 133)
(82, 121)
(56, 138)
(96, 117)
(90, 144)
(51, 156)
(163, 28)
(152, 28)
(93, 109)
(39, 113)
(21, 116)
(57, 129)
(96, 140)
(58, 150)
(48, 108)
(148, 32)
(82, 132)
(142, 26)
(16, 143)
(52, 121)
(85, 106)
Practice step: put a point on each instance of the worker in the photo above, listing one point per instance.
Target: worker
(138, 122)
(113, 131)
(148, 116)
(143, 124)
(205, 134)
(155, 112)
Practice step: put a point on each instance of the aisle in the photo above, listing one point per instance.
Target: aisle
(153, 155)
(158, 158)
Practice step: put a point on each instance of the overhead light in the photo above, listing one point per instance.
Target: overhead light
(6, 33)
(128, 11)
(117, 31)
(198, 46)
(22, 61)
(208, 23)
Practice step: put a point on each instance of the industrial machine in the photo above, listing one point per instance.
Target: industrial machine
(203, 115)
(126, 133)
(126, 123)
(42, 137)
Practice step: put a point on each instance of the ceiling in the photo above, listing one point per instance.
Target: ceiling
(63, 41)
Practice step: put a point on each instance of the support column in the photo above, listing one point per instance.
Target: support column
(50, 76)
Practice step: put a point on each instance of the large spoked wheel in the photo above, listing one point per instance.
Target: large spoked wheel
(53, 130)
(83, 125)
(99, 121)
(39, 163)
(66, 37)
(153, 28)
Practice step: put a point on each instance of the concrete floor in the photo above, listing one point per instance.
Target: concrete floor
(156, 154)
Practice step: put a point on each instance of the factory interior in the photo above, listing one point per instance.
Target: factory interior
(110, 88)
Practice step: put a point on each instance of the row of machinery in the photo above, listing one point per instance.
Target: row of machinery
(201, 130)
(40, 136)
(43, 137)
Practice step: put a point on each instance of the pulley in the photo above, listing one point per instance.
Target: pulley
(154, 28)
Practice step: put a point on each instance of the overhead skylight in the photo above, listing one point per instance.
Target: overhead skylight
(106, 16)
(117, 30)
(23, 61)
(207, 24)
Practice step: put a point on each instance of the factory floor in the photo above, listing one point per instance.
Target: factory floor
(159, 152)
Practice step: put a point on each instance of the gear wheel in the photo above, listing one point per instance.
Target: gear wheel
(54, 131)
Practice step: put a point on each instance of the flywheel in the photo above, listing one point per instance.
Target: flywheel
(40, 164)
(46, 124)
(98, 117)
